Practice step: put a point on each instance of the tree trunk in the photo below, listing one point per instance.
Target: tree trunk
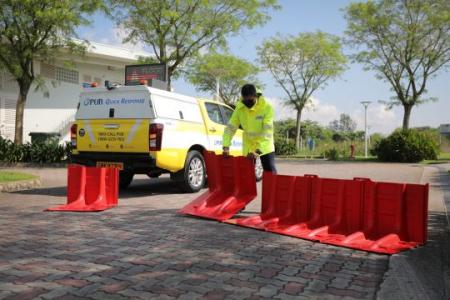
(169, 82)
(406, 116)
(20, 108)
(298, 128)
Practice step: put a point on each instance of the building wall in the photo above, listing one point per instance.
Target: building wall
(54, 111)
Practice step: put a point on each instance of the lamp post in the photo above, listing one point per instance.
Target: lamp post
(365, 104)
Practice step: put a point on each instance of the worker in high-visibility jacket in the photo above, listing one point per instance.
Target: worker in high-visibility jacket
(255, 116)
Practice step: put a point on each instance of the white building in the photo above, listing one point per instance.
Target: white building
(55, 111)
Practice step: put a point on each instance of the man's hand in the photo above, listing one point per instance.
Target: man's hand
(252, 156)
(226, 151)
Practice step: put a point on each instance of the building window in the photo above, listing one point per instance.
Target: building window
(58, 73)
(67, 75)
(7, 82)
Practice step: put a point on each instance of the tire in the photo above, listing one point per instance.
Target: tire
(259, 171)
(193, 177)
(125, 179)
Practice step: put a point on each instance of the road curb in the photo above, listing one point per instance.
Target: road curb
(34, 165)
(422, 273)
(20, 185)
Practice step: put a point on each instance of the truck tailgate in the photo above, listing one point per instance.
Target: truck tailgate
(113, 135)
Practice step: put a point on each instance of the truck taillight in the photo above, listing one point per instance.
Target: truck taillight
(73, 135)
(155, 136)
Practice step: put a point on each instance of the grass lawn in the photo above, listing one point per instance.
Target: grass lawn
(7, 176)
(443, 157)
(309, 157)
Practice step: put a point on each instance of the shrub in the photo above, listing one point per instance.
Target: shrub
(49, 152)
(331, 154)
(284, 148)
(406, 146)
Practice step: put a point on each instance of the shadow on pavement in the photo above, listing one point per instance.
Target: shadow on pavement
(139, 188)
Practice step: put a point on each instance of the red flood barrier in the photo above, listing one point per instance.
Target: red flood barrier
(361, 214)
(90, 189)
(232, 185)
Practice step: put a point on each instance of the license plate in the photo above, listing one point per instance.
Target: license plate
(107, 164)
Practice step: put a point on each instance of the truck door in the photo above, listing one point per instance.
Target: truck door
(216, 119)
(215, 126)
(236, 142)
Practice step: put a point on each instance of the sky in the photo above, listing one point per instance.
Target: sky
(342, 95)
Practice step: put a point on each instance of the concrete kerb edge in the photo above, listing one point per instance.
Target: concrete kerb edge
(397, 263)
(34, 165)
(20, 185)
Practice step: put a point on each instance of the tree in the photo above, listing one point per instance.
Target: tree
(177, 30)
(302, 64)
(345, 124)
(37, 30)
(406, 42)
(311, 129)
(284, 129)
(230, 71)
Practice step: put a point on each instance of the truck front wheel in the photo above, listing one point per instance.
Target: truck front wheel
(193, 177)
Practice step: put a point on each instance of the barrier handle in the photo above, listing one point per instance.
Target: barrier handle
(361, 179)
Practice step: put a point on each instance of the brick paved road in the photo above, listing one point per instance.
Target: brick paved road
(143, 250)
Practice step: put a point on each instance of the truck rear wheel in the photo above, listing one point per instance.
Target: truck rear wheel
(193, 177)
(125, 179)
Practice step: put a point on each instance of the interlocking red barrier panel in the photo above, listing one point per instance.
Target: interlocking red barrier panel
(232, 185)
(361, 214)
(90, 189)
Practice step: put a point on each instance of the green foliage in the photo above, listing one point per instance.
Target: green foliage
(324, 138)
(50, 152)
(38, 30)
(406, 146)
(177, 30)
(445, 143)
(301, 64)
(374, 138)
(284, 148)
(338, 137)
(284, 128)
(332, 154)
(404, 42)
(231, 71)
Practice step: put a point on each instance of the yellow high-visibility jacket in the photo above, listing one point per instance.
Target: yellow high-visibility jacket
(257, 124)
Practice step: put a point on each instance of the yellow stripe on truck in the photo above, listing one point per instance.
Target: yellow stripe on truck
(170, 159)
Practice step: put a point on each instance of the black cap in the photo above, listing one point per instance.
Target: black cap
(248, 90)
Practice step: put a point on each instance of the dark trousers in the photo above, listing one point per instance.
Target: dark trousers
(268, 162)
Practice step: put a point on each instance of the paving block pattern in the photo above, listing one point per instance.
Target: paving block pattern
(153, 253)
